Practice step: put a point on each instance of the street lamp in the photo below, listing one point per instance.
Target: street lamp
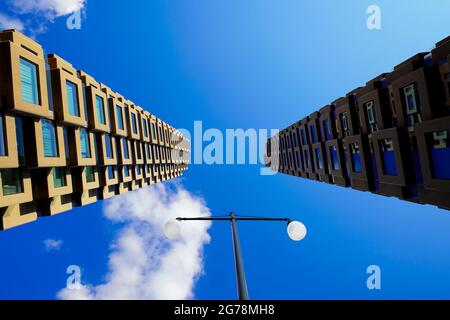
(295, 230)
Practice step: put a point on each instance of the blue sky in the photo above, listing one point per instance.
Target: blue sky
(252, 64)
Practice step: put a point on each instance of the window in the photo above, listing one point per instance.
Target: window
(412, 103)
(125, 148)
(371, 116)
(155, 152)
(111, 172)
(72, 98)
(149, 152)
(90, 174)
(440, 154)
(313, 134)
(308, 160)
(326, 125)
(66, 143)
(388, 156)
(119, 117)
(59, 177)
(319, 158)
(11, 181)
(303, 137)
(144, 127)
(108, 146)
(133, 123)
(20, 143)
(344, 124)
(28, 79)
(334, 158)
(138, 170)
(49, 137)
(3, 152)
(126, 171)
(356, 158)
(138, 150)
(100, 107)
(85, 144)
(153, 132)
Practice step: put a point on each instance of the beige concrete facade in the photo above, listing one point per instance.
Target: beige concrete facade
(86, 143)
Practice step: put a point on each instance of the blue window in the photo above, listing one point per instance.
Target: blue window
(100, 107)
(119, 117)
(111, 172)
(72, 99)
(155, 152)
(153, 131)
(126, 171)
(138, 169)
(28, 79)
(308, 160)
(440, 154)
(108, 145)
(66, 143)
(84, 143)
(133, 123)
(303, 137)
(356, 157)
(334, 158)
(319, 158)
(298, 159)
(49, 137)
(313, 134)
(20, 141)
(125, 148)
(388, 156)
(326, 125)
(2, 136)
(144, 126)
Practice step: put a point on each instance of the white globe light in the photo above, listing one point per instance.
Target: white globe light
(172, 230)
(296, 230)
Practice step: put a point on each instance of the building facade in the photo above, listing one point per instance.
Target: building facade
(390, 137)
(67, 140)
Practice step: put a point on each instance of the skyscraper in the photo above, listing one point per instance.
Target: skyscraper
(68, 140)
(390, 137)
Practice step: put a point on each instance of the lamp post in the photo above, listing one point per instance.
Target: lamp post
(295, 229)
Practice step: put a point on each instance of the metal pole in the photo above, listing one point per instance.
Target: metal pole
(239, 262)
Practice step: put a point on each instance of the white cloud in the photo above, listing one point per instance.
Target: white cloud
(7, 22)
(34, 16)
(50, 8)
(143, 264)
(52, 244)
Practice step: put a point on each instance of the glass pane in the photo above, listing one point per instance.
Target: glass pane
(49, 137)
(59, 177)
(72, 98)
(111, 173)
(28, 79)
(2, 136)
(84, 143)
(133, 123)
(100, 110)
(144, 126)
(126, 172)
(90, 177)
(108, 146)
(19, 137)
(11, 181)
(119, 117)
(125, 148)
